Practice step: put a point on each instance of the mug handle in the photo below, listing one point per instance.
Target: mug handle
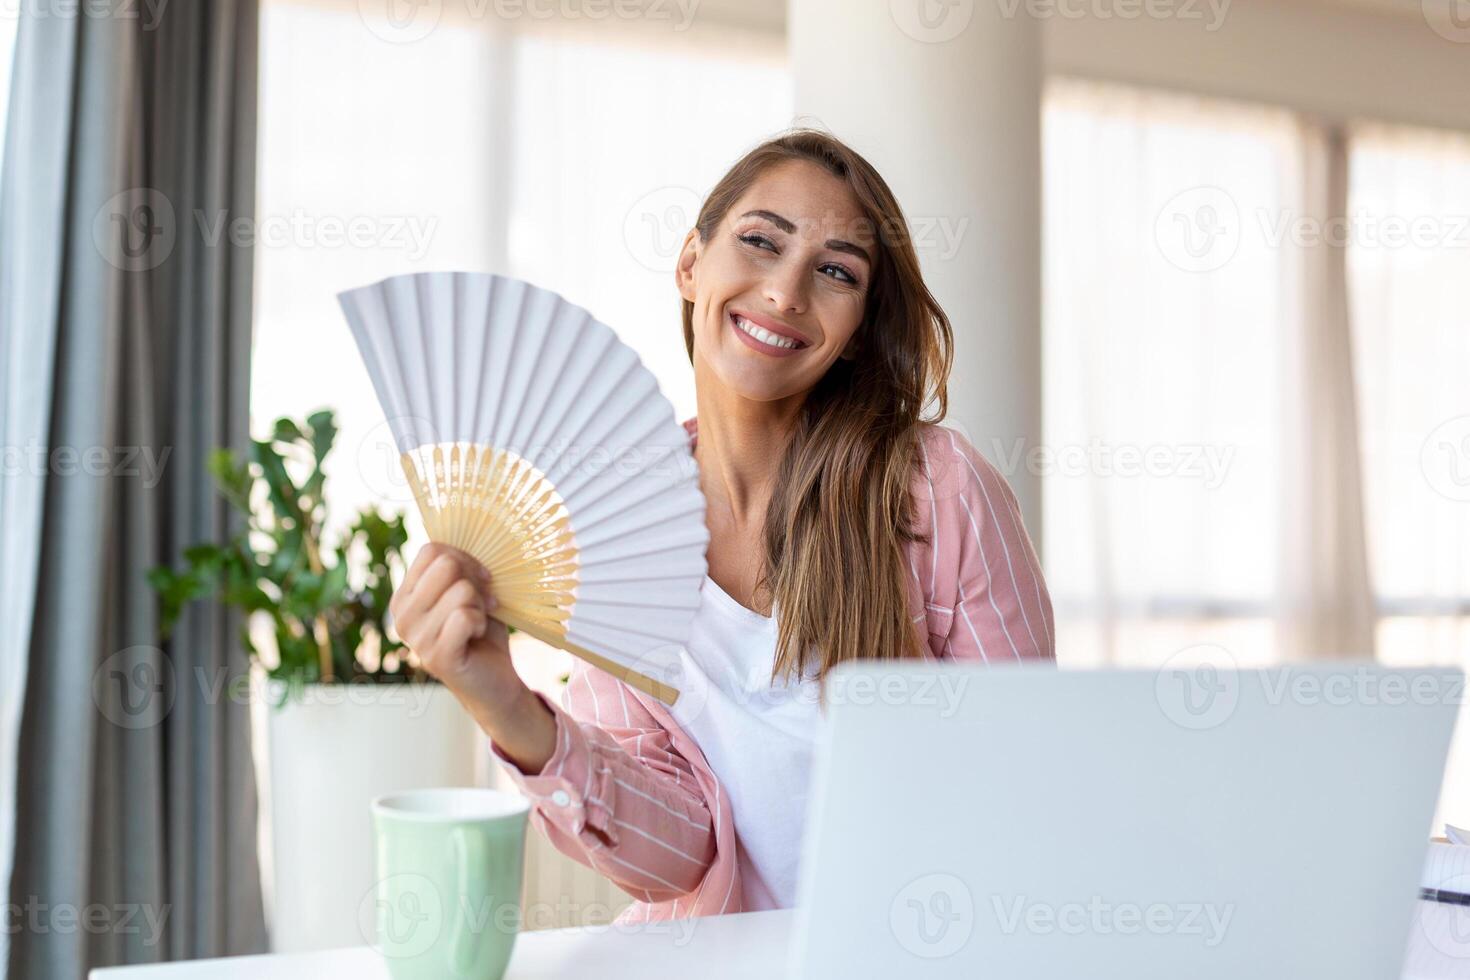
(464, 941)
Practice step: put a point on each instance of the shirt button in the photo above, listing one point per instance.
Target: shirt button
(560, 798)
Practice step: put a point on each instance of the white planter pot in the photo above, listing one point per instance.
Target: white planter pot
(328, 752)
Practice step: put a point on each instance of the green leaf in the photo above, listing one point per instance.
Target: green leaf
(204, 555)
(264, 568)
(282, 491)
(286, 430)
(334, 583)
(323, 425)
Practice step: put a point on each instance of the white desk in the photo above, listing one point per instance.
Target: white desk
(750, 944)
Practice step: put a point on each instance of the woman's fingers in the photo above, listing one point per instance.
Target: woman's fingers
(461, 625)
(463, 594)
(435, 569)
(426, 557)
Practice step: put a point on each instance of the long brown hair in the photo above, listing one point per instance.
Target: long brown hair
(840, 515)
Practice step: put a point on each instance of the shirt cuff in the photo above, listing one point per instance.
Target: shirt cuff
(574, 790)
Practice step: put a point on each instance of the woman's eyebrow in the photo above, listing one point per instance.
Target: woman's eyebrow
(835, 244)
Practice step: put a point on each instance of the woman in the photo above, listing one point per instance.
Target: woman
(843, 525)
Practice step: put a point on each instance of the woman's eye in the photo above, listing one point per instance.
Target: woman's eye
(841, 274)
(759, 241)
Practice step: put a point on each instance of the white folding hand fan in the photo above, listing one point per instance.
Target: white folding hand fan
(535, 440)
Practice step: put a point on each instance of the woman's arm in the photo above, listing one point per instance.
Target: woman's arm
(612, 793)
(616, 795)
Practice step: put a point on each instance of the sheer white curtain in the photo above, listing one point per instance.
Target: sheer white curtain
(1409, 264)
(1257, 358)
(616, 146)
(1166, 308)
(394, 140)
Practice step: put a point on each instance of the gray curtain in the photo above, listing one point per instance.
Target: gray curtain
(124, 354)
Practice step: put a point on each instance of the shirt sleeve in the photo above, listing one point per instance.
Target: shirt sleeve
(1001, 610)
(616, 795)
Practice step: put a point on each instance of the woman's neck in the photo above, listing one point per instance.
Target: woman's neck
(739, 448)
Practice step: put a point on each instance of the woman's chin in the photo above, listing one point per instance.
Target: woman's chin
(756, 383)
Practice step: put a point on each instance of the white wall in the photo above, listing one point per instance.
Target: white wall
(1334, 60)
(1337, 58)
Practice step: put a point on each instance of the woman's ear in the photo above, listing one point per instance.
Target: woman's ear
(684, 268)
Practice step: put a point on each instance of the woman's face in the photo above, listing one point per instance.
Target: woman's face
(779, 289)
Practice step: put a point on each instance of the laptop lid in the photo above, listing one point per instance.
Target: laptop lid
(1019, 822)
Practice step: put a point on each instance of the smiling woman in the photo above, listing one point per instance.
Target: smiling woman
(786, 247)
(844, 524)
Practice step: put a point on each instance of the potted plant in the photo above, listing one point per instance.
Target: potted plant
(346, 712)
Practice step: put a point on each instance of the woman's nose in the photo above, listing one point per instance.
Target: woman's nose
(785, 287)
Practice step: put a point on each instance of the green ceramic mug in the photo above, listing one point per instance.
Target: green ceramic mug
(447, 903)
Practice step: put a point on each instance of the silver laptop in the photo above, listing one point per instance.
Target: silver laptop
(1021, 823)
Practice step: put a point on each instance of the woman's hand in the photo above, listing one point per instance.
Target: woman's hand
(441, 610)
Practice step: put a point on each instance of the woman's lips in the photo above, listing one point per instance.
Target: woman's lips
(754, 343)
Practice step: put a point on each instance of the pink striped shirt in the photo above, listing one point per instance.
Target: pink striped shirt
(628, 793)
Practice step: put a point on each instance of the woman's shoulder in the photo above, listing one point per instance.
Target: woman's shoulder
(973, 564)
(950, 473)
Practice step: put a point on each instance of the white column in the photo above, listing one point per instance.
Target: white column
(944, 98)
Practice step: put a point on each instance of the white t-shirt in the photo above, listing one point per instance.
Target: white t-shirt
(757, 737)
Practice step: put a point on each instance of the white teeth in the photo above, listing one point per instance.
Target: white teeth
(764, 336)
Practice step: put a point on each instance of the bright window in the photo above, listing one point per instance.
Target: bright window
(1408, 263)
(1165, 313)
